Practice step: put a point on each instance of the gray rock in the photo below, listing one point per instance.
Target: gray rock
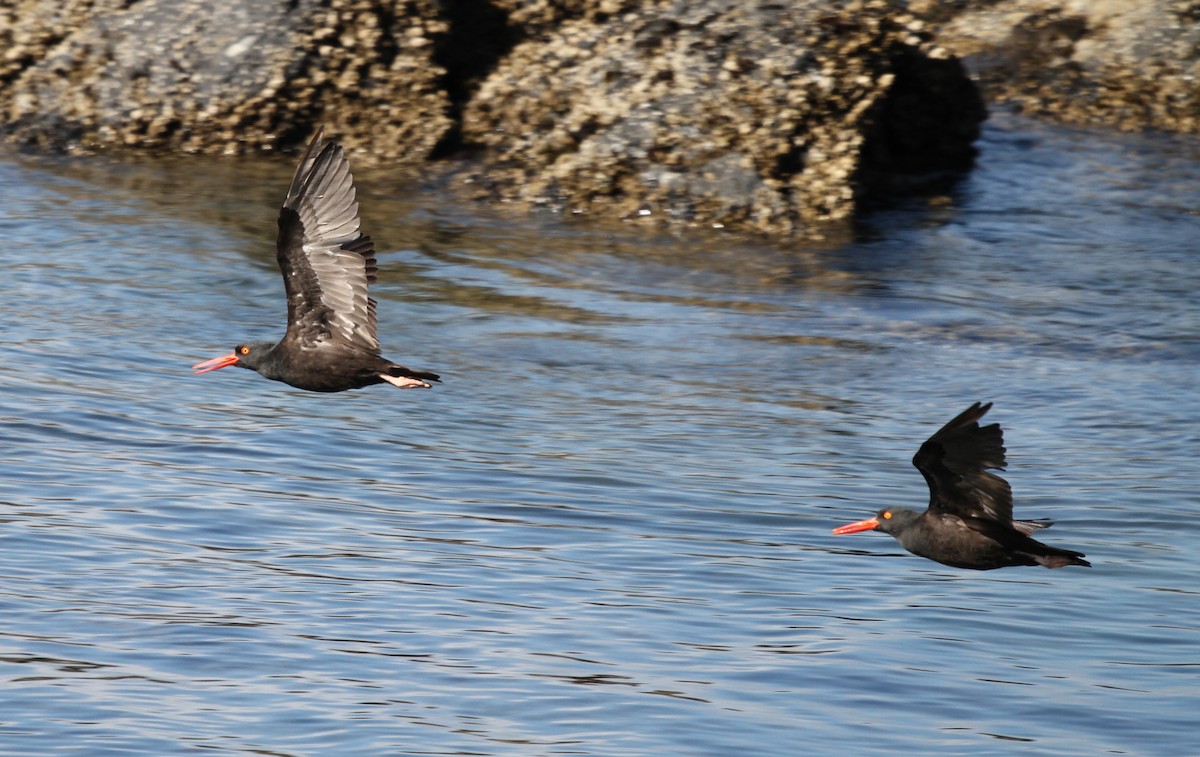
(767, 115)
(223, 75)
(763, 114)
(1132, 64)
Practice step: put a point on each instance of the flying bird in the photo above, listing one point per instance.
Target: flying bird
(328, 264)
(969, 523)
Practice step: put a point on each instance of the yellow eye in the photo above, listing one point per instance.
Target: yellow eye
(243, 350)
(887, 514)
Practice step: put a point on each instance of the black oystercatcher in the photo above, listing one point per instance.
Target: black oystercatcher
(969, 522)
(327, 265)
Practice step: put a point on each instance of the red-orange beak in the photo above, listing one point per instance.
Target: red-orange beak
(853, 528)
(215, 364)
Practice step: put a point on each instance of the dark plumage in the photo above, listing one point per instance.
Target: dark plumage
(327, 264)
(969, 522)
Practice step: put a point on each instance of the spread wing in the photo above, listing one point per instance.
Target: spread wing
(955, 463)
(327, 263)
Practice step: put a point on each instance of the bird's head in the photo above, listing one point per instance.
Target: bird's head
(890, 520)
(249, 355)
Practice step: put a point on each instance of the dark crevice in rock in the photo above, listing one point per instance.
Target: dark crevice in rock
(922, 133)
(386, 48)
(790, 163)
(479, 37)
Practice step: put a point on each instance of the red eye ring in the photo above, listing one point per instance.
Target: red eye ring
(244, 350)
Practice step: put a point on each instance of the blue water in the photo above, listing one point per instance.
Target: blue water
(608, 531)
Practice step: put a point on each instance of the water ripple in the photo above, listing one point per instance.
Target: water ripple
(607, 532)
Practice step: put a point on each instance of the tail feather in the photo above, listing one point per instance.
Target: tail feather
(1054, 557)
(1044, 554)
(401, 371)
(1061, 559)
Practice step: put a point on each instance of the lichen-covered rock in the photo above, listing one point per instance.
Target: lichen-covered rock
(766, 115)
(763, 115)
(533, 16)
(1132, 64)
(223, 75)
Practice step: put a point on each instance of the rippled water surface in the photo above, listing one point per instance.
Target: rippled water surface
(608, 531)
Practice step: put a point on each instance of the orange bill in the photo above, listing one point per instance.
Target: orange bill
(215, 364)
(853, 528)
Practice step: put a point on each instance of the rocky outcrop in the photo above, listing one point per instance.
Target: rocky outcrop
(765, 115)
(1132, 64)
(222, 75)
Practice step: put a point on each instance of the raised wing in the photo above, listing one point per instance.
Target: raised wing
(955, 463)
(327, 263)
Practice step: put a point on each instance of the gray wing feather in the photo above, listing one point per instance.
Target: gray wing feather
(327, 263)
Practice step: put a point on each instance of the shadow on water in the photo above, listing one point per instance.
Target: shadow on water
(403, 213)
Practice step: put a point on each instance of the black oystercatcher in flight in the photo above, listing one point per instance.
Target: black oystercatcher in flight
(969, 522)
(327, 265)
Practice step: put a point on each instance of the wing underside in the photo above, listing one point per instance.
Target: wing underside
(327, 263)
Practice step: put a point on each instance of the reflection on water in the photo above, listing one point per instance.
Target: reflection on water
(607, 532)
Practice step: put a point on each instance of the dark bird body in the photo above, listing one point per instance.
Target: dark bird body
(327, 264)
(969, 522)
